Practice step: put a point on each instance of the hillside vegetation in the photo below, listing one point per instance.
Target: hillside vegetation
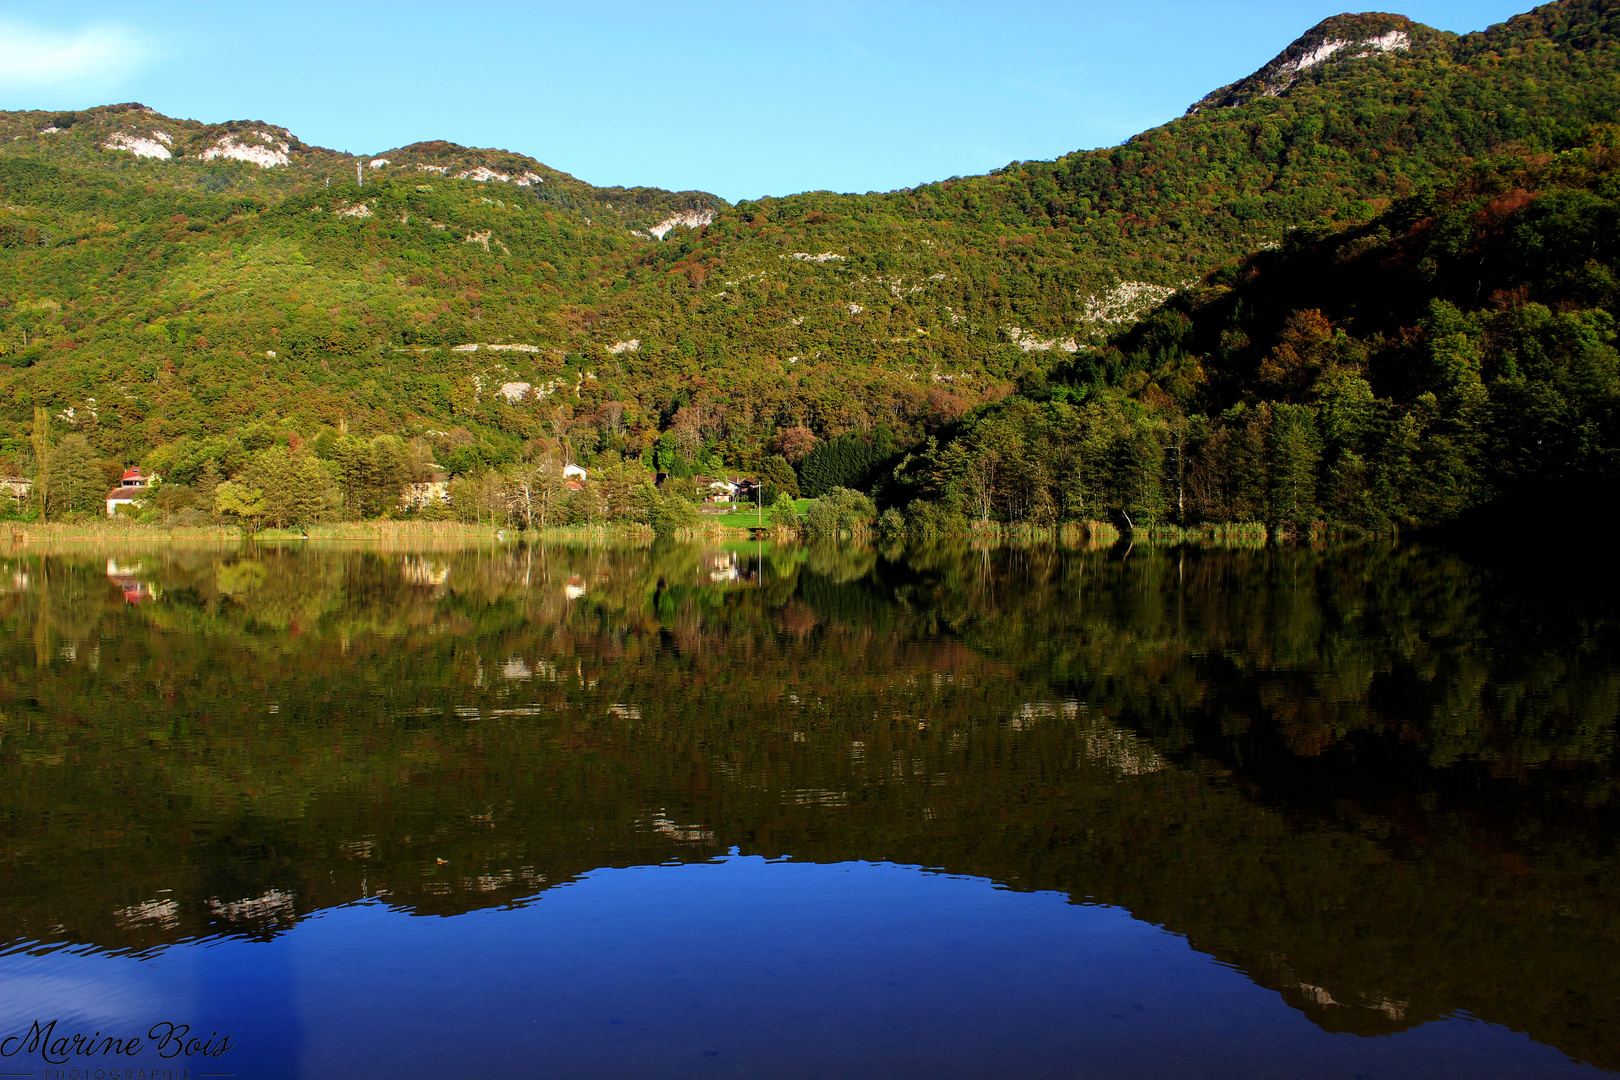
(1455, 352)
(192, 295)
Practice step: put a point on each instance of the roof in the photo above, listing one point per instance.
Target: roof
(135, 472)
(126, 494)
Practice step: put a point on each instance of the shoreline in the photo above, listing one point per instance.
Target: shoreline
(1088, 533)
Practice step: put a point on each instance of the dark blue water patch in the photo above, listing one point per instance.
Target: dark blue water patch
(740, 967)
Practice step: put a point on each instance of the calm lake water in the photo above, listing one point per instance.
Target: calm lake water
(743, 811)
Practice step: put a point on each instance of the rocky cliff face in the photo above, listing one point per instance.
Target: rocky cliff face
(136, 130)
(189, 154)
(1339, 40)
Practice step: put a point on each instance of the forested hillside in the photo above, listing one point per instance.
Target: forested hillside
(1457, 350)
(190, 294)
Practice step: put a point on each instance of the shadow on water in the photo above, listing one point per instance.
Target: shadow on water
(1379, 780)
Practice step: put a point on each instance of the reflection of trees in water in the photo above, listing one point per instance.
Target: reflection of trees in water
(1311, 647)
(1333, 769)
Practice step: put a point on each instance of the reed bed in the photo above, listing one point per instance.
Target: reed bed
(104, 529)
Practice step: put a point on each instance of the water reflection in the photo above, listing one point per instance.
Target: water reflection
(1377, 781)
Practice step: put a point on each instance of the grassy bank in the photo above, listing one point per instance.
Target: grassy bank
(741, 516)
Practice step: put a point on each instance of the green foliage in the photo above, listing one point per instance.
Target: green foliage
(78, 482)
(779, 479)
(293, 486)
(210, 309)
(839, 511)
(536, 495)
(238, 500)
(783, 514)
(371, 473)
(926, 520)
(669, 514)
(1399, 372)
(848, 461)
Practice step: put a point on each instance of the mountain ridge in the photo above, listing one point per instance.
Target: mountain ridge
(1334, 40)
(1364, 31)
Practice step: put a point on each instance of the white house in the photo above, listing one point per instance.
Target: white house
(425, 493)
(17, 487)
(131, 490)
(573, 472)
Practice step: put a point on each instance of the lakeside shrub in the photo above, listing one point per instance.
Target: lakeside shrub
(840, 511)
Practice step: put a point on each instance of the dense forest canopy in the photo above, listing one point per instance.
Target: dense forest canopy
(191, 295)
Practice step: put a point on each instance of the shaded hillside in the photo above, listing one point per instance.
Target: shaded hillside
(199, 294)
(1456, 352)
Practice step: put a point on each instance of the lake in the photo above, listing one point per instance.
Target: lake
(745, 810)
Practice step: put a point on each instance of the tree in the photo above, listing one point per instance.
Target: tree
(294, 487)
(975, 471)
(1295, 452)
(41, 439)
(238, 500)
(846, 461)
(372, 474)
(1303, 351)
(473, 497)
(784, 514)
(669, 513)
(533, 490)
(78, 482)
(615, 481)
(1139, 474)
(795, 442)
(778, 478)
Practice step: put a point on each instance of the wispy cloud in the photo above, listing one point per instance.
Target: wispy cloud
(92, 58)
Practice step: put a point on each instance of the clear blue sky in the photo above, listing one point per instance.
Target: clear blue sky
(741, 99)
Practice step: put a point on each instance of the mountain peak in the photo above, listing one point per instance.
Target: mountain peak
(1335, 39)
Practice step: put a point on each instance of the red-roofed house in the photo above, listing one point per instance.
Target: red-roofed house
(130, 490)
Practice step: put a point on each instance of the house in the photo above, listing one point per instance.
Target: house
(121, 497)
(711, 490)
(131, 490)
(135, 591)
(726, 489)
(422, 495)
(18, 487)
(425, 493)
(574, 472)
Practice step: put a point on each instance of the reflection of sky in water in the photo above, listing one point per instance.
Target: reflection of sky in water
(742, 967)
(93, 991)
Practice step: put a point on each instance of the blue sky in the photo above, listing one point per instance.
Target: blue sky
(741, 99)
